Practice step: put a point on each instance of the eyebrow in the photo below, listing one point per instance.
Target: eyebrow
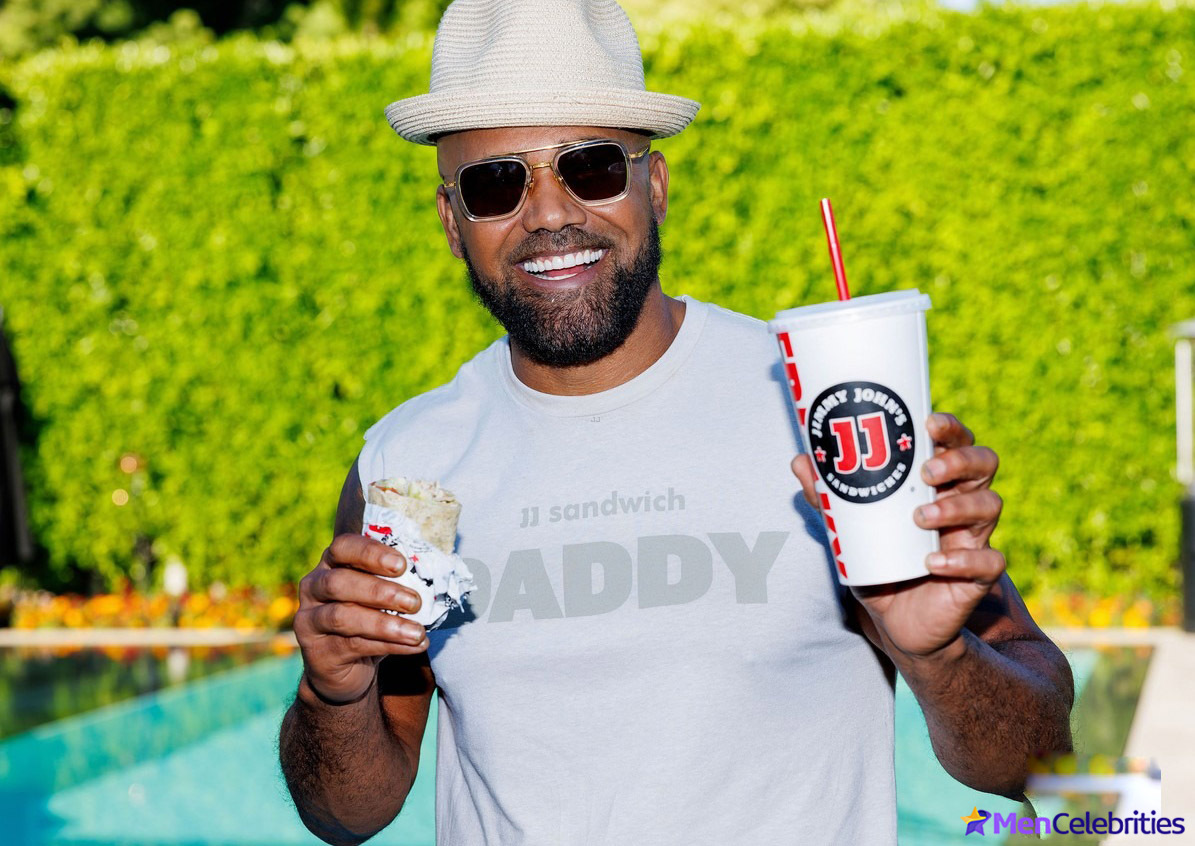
(546, 147)
(524, 152)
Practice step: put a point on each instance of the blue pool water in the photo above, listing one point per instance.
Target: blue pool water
(197, 764)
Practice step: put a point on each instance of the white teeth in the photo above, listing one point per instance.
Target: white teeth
(562, 262)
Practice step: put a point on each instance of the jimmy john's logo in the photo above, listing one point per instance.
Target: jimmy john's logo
(862, 440)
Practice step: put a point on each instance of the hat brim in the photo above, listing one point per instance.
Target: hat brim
(420, 119)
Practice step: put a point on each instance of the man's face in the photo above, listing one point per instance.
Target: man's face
(571, 316)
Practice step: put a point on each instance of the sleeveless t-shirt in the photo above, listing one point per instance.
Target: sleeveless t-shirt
(656, 651)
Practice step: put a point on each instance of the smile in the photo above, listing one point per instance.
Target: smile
(559, 267)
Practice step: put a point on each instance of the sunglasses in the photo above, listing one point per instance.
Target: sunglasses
(593, 173)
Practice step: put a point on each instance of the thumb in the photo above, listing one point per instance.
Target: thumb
(802, 467)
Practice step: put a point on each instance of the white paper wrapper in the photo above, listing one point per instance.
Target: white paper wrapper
(433, 509)
(441, 579)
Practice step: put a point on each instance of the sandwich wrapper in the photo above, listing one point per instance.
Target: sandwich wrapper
(419, 520)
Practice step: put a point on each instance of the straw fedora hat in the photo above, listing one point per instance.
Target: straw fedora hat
(537, 63)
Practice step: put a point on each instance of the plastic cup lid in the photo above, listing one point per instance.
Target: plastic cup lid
(849, 311)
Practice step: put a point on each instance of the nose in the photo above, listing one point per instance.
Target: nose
(548, 205)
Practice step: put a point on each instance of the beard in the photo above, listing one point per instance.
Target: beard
(576, 327)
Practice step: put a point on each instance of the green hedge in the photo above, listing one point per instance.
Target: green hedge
(223, 263)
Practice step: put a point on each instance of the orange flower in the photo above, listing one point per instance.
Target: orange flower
(105, 605)
(1138, 614)
(1102, 613)
(158, 606)
(197, 603)
(281, 609)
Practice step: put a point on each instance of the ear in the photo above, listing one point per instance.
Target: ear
(658, 176)
(448, 220)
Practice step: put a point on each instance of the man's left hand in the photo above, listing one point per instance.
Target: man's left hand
(924, 618)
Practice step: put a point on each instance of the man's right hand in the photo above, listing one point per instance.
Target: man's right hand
(341, 631)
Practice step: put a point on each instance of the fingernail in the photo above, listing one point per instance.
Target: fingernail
(934, 468)
(414, 633)
(392, 561)
(929, 512)
(936, 561)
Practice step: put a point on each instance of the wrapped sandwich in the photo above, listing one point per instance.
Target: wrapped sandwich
(419, 519)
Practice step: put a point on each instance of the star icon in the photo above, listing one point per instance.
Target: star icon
(975, 821)
(414, 559)
(905, 443)
(820, 455)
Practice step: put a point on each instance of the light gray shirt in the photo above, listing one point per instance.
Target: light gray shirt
(656, 651)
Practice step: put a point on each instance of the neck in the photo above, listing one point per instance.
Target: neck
(659, 321)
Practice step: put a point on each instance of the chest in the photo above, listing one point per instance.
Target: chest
(607, 544)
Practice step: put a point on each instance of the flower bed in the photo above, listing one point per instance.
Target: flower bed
(256, 608)
(1077, 610)
(245, 609)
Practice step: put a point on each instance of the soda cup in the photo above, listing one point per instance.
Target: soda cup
(858, 373)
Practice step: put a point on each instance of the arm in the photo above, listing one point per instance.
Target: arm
(349, 743)
(997, 697)
(995, 691)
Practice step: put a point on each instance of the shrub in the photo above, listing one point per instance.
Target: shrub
(219, 265)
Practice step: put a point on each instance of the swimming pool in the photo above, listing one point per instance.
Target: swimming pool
(197, 764)
(40, 684)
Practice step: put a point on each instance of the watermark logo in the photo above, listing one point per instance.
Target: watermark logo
(975, 821)
(1137, 822)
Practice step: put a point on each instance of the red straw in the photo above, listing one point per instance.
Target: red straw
(844, 293)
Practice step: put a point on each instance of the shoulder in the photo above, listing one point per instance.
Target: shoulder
(425, 427)
(466, 387)
(734, 331)
(726, 319)
(736, 346)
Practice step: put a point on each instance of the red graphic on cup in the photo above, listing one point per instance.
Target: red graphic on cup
(794, 387)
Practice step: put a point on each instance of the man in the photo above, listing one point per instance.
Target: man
(656, 626)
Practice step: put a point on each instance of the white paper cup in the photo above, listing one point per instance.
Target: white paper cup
(858, 374)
